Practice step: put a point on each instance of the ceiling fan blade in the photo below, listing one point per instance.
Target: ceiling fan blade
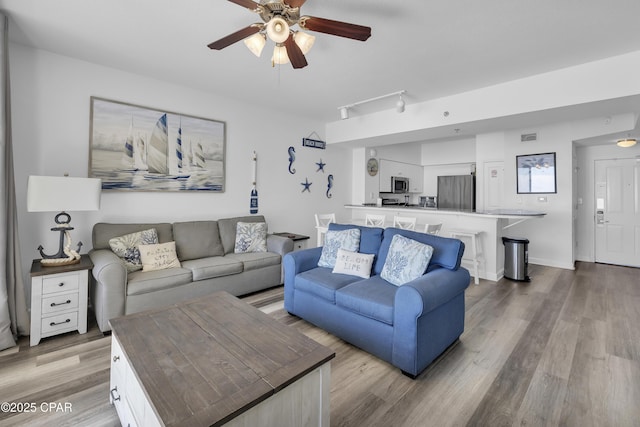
(335, 28)
(295, 3)
(235, 37)
(295, 54)
(249, 4)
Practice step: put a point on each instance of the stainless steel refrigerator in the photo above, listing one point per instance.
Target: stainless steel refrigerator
(457, 192)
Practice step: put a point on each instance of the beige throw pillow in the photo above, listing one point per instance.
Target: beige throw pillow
(158, 257)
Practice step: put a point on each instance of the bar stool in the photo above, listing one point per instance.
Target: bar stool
(432, 228)
(322, 225)
(375, 220)
(404, 222)
(473, 236)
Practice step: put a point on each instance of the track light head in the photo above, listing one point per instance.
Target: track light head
(400, 105)
(344, 113)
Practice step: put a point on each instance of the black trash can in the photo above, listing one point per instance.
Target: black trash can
(516, 258)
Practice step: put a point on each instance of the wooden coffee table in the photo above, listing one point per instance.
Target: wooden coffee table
(216, 360)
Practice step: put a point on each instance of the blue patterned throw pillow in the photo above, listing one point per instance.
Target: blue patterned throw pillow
(126, 247)
(406, 261)
(251, 237)
(344, 239)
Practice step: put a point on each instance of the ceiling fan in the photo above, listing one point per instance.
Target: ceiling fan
(291, 45)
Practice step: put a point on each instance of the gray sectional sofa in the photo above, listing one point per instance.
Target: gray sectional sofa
(208, 264)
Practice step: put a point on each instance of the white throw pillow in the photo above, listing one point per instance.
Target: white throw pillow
(126, 247)
(251, 237)
(338, 239)
(407, 260)
(158, 257)
(353, 263)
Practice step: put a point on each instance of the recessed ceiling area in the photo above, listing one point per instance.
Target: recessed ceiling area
(429, 49)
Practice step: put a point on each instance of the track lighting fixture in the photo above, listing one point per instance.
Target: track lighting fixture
(344, 110)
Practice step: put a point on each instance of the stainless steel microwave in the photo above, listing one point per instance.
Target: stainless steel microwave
(399, 184)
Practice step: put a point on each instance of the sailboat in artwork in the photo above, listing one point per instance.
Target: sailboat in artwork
(133, 155)
(158, 159)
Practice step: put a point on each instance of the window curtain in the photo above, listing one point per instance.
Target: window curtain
(14, 319)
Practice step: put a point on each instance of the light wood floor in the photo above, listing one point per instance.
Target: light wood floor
(562, 350)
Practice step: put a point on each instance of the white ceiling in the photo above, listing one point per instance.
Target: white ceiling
(428, 48)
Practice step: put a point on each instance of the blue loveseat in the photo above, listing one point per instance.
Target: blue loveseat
(407, 326)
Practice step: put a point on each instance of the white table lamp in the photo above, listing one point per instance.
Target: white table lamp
(62, 194)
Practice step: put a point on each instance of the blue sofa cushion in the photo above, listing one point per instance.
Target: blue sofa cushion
(447, 252)
(373, 298)
(370, 237)
(321, 282)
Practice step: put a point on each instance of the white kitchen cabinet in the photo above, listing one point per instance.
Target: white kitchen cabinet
(416, 178)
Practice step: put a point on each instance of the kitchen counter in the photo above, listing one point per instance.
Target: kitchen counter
(491, 225)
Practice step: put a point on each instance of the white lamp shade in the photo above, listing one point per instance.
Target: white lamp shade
(304, 41)
(62, 194)
(278, 30)
(280, 55)
(255, 43)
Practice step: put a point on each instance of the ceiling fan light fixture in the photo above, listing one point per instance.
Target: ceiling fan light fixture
(278, 30)
(626, 142)
(304, 41)
(256, 43)
(280, 55)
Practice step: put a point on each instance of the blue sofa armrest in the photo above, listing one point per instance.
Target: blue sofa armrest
(294, 263)
(421, 330)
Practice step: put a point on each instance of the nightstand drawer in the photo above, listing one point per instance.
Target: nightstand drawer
(60, 322)
(60, 282)
(57, 303)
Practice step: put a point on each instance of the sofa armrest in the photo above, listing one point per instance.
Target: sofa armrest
(294, 263)
(430, 291)
(109, 288)
(279, 244)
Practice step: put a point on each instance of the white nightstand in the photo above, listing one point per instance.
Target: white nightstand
(299, 240)
(59, 298)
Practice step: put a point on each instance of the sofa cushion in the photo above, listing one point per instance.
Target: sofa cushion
(227, 228)
(103, 232)
(159, 256)
(126, 247)
(373, 298)
(335, 240)
(370, 237)
(321, 282)
(251, 237)
(407, 260)
(197, 239)
(255, 260)
(447, 252)
(141, 282)
(353, 263)
(208, 268)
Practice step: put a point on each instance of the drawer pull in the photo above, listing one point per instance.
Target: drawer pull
(116, 358)
(55, 304)
(114, 397)
(61, 284)
(59, 323)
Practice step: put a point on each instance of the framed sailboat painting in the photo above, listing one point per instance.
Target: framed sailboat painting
(136, 148)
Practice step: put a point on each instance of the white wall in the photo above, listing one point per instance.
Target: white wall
(50, 116)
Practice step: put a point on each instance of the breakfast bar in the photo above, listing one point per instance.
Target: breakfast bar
(490, 227)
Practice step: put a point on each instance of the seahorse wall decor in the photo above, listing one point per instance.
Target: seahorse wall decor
(292, 158)
(329, 185)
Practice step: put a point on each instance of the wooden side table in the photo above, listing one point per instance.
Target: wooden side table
(59, 298)
(299, 240)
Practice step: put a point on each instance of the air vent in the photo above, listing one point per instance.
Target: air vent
(528, 137)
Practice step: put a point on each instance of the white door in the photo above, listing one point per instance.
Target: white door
(493, 185)
(617, 215)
